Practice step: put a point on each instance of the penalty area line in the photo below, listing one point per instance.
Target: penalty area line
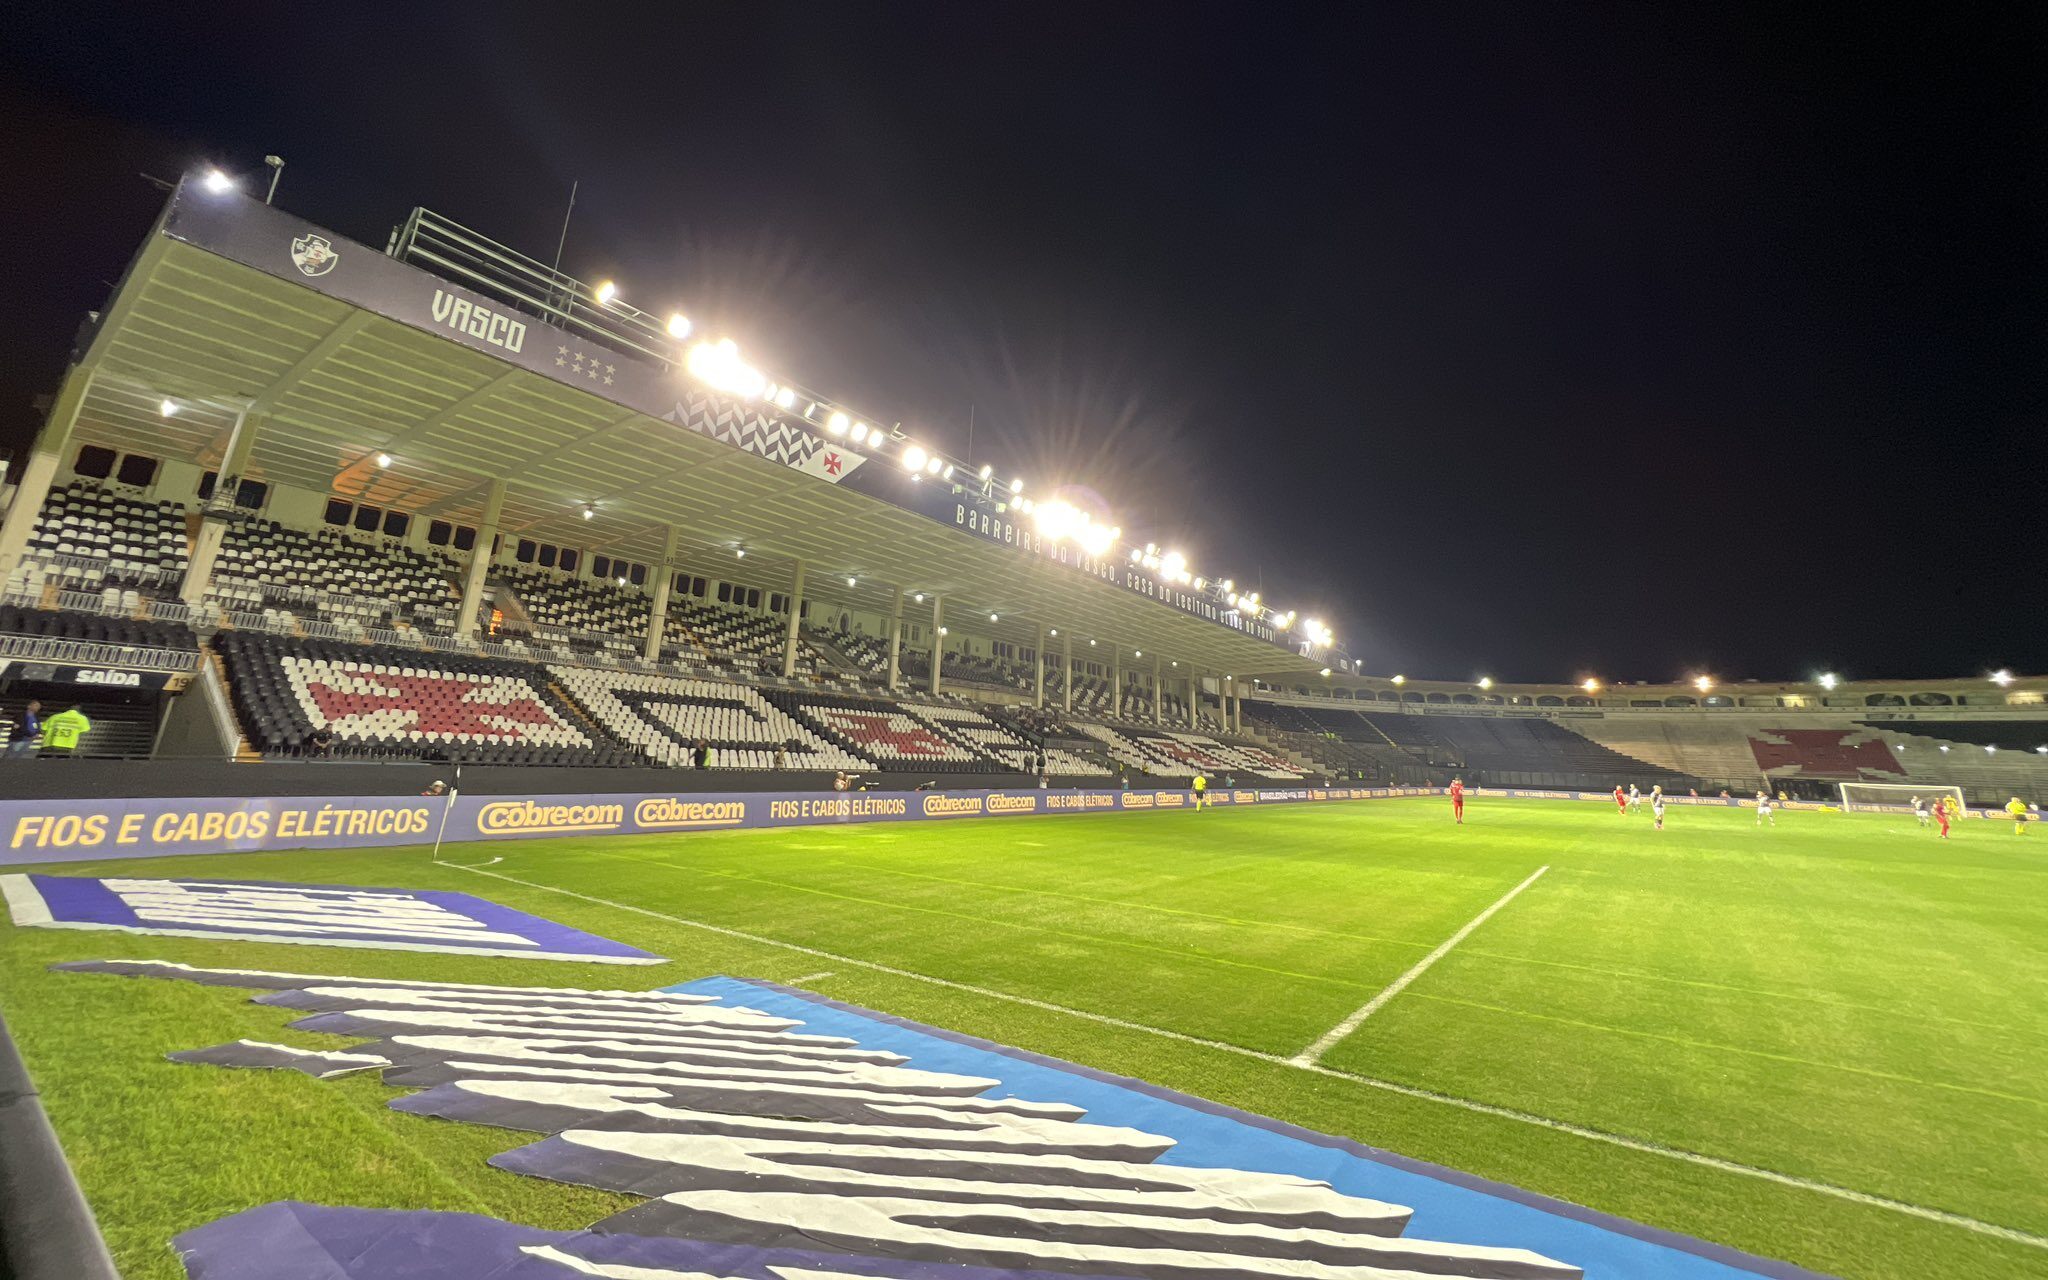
(1310, 1056)
(1906, 1208)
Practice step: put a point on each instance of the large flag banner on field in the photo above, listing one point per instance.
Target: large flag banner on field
(316, 914)
(768, 1133)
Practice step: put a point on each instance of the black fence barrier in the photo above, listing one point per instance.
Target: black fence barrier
(47, 1231)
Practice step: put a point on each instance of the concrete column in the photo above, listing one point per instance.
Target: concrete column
(657, 615)
(479, 561)
(796, 613)
(1116, 681)
(32, 486)
(1158, 694)
(1038, 665)
(1067, 674)
(895, 639)
(214, 517)
(1194, 697)
(938, 641)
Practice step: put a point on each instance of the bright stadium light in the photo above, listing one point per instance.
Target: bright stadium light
(1943, 748)
(1054, 633)
(622, 579)
(919, 597)
(1326, 673)
(838, 423)
(785, 397)
(606, 292)
(943, 631)
(1591, 685)
(1137, 556)
(860, 432)
(1828, 680)
(168, 408)
(217, 182)
(2042, 750)
(1486, 682)
(949, 471)
(383, 460)
(679, 328)
(986, 471)
(718, 366)
(1174, 563)
(1232, 597)
(849, 579)
(914, 458)
(935, 465)
(1201, 584)
(993, 618)
(1017, 486)
(1990, 750)
(1137, 653)
(1703, 683)
(1400, 679)
(740, 553)
(2001, 677)
(590, 513)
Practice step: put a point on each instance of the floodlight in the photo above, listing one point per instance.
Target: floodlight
(1990, 750)
(785, 397)
(217, 182)
(1829, 680)
(1201, 584)
(849, 580)
(606, 292)
(622, 580)
(860, 432)
(919, 597)
(1326, 673)
(2001, 677)
(679, 327)
(949, 471)
(1173, 562)
(1017, 486)
(590, 513)
(168, 408)
(1054, 632)
(1229, 585)
(1486, 682)
(1137, 556)
(718, 366)
(1703, 683)
(1137, 653)
(944, 631)
(383, 460)
(1591, 686)
(837, 424)
(1400, 679)
(914, 458)
(993, 618)
(740, 554)
(1091, 644)
(935, 466)
(987, 471)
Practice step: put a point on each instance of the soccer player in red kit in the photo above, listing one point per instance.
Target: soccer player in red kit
(1620, 800)
(1458, 800)
(1941, 817)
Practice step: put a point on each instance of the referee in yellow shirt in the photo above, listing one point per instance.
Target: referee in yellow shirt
(2018, 809)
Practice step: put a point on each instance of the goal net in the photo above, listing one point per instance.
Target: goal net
(1878, 797)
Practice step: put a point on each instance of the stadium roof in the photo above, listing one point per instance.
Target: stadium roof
(342, 353)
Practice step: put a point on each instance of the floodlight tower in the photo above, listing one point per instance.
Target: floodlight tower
(276, 164)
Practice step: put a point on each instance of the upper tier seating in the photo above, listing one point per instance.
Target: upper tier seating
(552, 600)
(665, 716)
(1502, 747)
(137, 543)
(1005, 746)
(381, 702)
(1850, 755)
(265, 564)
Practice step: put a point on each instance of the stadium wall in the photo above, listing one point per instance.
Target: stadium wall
(41, 831)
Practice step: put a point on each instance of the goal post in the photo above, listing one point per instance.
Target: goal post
(1878, 797)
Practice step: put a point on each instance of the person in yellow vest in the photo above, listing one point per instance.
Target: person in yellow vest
(62, 731)
(1201, 788)
(2018, 809)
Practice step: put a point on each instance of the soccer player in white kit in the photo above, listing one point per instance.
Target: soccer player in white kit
(1920, 810)
(1635, 798)
(1763, 809)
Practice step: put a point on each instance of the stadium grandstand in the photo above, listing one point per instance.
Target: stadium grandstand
(301, 500)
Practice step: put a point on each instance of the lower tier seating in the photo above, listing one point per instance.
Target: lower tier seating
(665, 717)
(896, 736)
(378, 703)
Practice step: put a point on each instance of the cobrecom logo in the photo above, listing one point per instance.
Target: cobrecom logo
(524, 817)
(668, 812)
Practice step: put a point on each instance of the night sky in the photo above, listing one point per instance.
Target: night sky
(1535, 341)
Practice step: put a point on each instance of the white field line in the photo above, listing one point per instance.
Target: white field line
(1906, 1208)
(1314, 1053)
(810, 977)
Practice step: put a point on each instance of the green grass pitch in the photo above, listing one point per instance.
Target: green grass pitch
(1841, 1000)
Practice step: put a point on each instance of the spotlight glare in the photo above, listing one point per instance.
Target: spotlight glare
(590, 513)
(2001, 677)
(1828, 680)
(1486, 682)
(935, 466)
(718, 366)
(987, 471)
(785, 397)
(169, 408)
(993, 618)
(1591, 686)
(837, 424)
(1703, 683)
(914, 458)
(679, 327)
(383, 460)
(1017, 486)
(740, 554)
(1400, 679)
(217, 182)
(860, 432)
(606, 292)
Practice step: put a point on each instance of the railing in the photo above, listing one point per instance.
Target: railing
(93, 653)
